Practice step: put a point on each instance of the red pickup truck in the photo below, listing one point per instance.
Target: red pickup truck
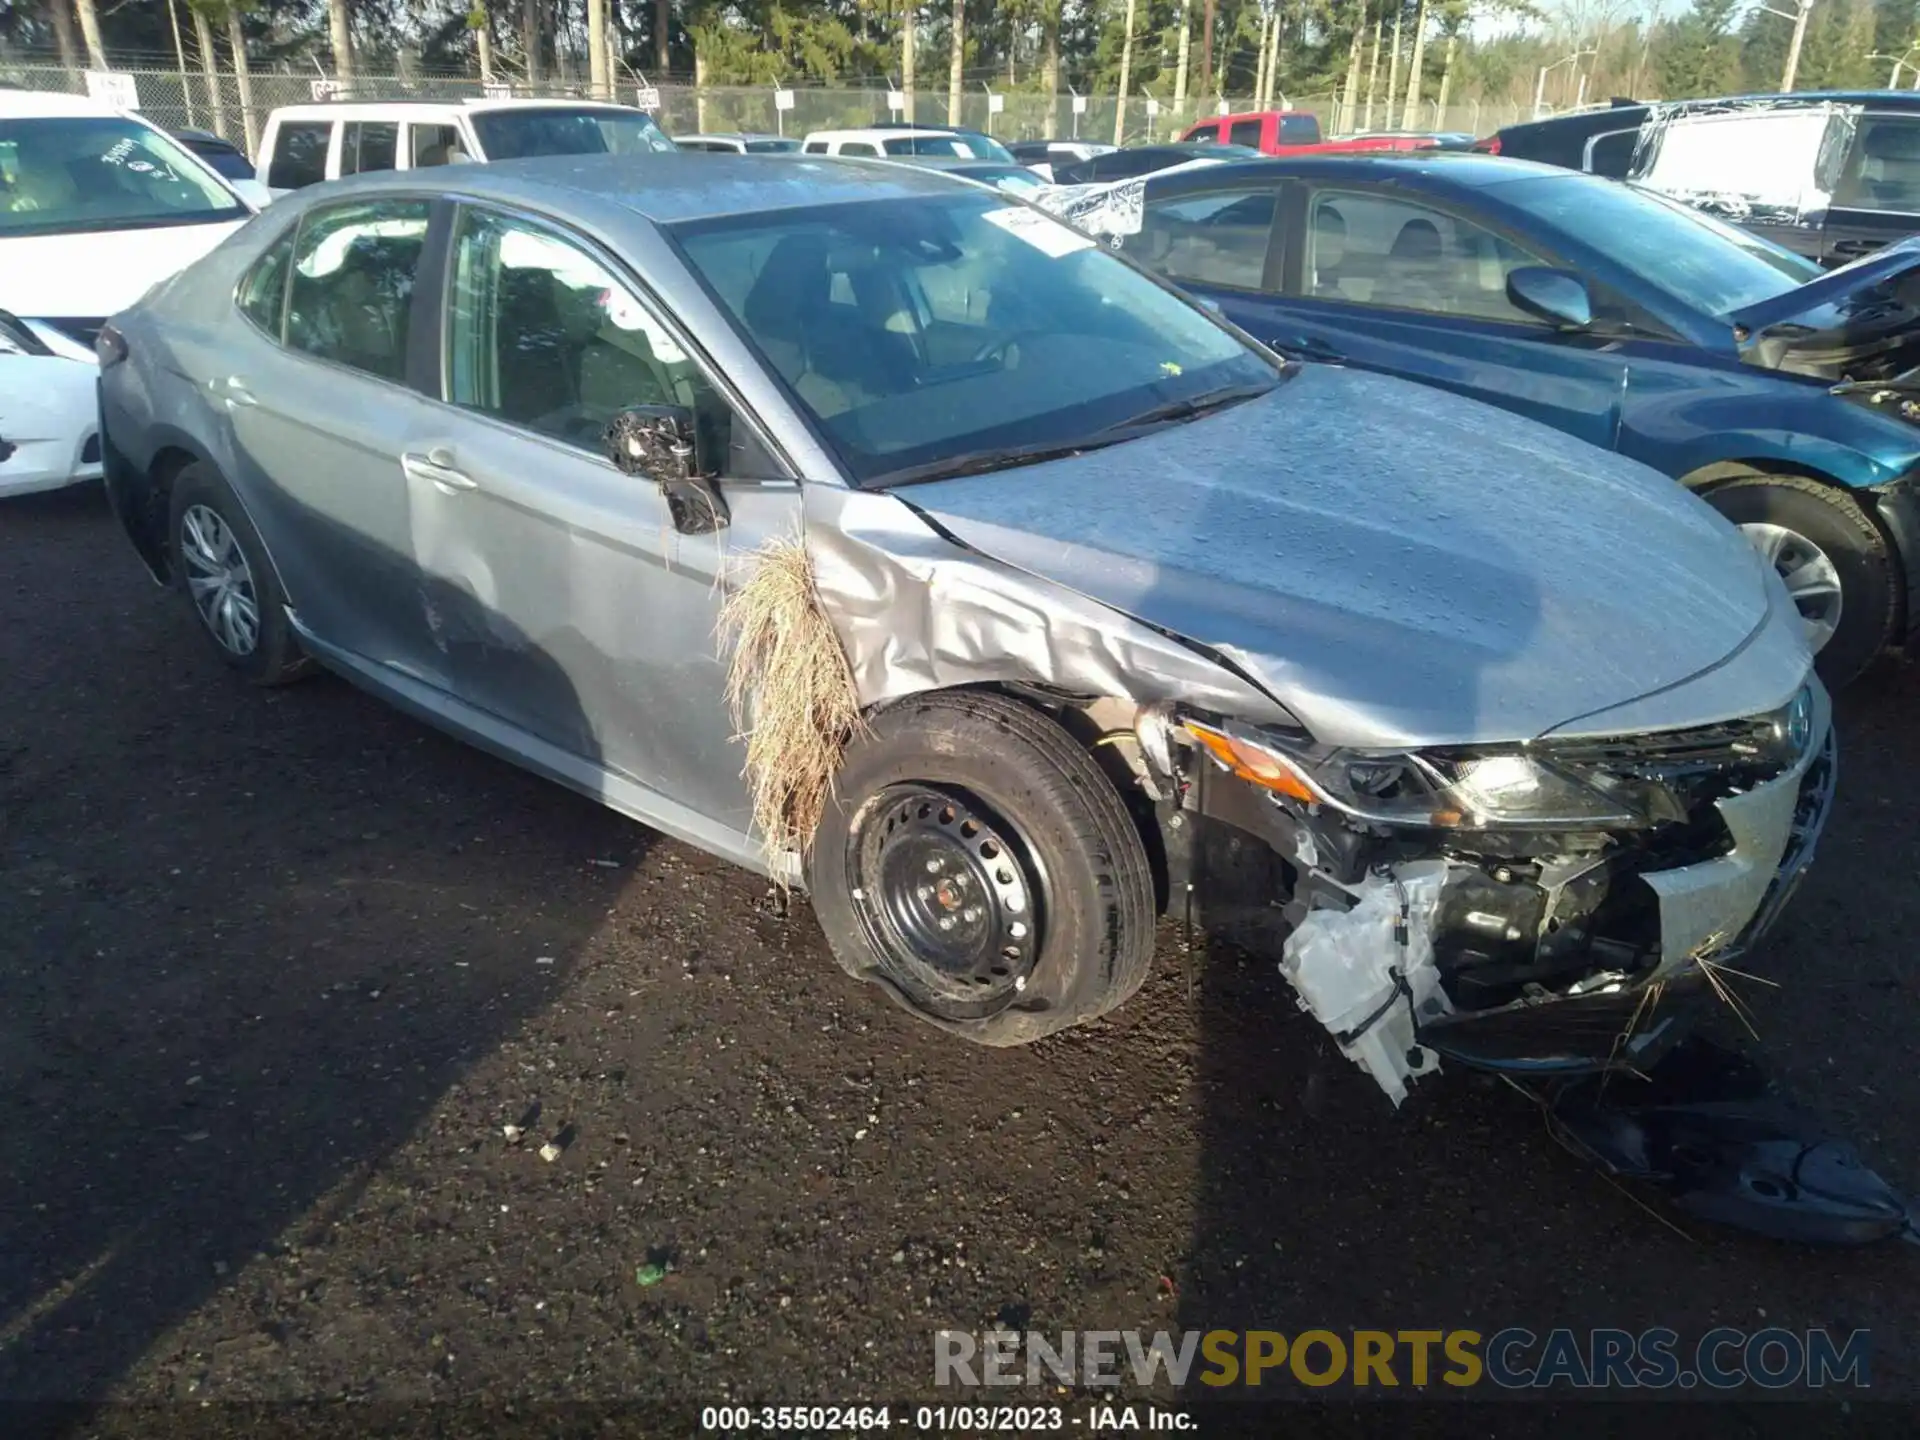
(1292, 132)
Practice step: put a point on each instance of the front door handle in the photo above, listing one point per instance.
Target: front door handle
(1307, 347)
(437, 465)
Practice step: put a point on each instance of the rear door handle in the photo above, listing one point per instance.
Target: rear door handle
(1306, 347)
(437, 465)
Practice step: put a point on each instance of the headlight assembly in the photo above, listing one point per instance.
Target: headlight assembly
(1494, 789)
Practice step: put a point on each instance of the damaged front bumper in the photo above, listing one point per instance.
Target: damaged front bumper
(1537, 954)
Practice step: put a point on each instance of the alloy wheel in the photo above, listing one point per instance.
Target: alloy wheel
(220, 580)
(1810, 576)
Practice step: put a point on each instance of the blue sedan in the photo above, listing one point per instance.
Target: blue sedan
(1786, 395)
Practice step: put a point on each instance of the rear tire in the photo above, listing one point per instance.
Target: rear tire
(978, 815)
(1808, 525)
(220, 565)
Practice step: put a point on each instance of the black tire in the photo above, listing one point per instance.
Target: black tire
(1831, 519)
(274, 657)
(1063, 821)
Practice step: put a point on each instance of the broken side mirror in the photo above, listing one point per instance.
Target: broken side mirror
(661, 443)
(1557, 296)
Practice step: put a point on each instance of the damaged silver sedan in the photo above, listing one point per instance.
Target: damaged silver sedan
(895, 539)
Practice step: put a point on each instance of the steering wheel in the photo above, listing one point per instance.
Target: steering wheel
(1000, 347)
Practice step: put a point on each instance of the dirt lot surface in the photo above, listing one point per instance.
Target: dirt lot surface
(278, 969)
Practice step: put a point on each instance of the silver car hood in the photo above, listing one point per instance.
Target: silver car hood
(1400, 566)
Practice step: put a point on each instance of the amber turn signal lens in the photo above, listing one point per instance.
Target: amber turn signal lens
(1251, 763)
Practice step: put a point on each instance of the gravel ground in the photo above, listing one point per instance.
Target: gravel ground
(280, 968)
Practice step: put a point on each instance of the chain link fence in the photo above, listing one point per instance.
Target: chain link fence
(222, 103)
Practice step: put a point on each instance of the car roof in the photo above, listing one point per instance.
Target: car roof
(468, 105)
(1466, 168)
(736, 135)
(880, 132)
(34, 104)
(665, 188)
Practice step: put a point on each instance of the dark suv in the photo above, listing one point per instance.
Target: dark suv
(1831, 174)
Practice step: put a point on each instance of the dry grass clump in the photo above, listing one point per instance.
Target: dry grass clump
(791, 694)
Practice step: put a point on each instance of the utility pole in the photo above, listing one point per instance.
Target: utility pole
(1126, 76)
(1793, 46)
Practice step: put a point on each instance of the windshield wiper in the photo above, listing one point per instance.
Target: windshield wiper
(980, 462)
(1189, 408)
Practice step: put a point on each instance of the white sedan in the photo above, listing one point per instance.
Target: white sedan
(49, 420)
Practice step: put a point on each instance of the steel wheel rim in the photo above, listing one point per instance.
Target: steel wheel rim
(945, 891)
(1811, 578)
(220, 580)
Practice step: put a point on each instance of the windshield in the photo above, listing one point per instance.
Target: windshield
(68, 174)
(1704, 263)
(944, 334)
(518, 133)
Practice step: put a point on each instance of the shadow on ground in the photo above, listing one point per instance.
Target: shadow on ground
(236, 982)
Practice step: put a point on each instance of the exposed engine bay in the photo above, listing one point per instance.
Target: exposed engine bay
(1518, 909)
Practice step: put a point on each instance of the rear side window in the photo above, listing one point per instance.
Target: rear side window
(351, 298)
(432, 144)
(300, 154)
(263, 292)
(369, 145)
(858, 147)
(1219, 238)
(1244, 132)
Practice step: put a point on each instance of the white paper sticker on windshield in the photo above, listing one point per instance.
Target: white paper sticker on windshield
(1043, 232)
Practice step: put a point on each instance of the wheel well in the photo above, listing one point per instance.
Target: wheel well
(162, 470)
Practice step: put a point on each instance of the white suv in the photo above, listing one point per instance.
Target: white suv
(895, 140)
(305, 144)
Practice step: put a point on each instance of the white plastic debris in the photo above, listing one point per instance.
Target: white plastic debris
(549, 1152)
(1365, 982)
(512, 1132)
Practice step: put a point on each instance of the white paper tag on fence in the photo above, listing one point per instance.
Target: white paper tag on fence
(114, 87)
(323, 89)
(783, 99)
(1043, 232)
(497, 90)
(647, 97)
(996, 104)
(1153, 108)
(896, 102)
(1079, 104)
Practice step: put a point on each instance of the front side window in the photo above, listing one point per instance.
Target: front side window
(1300, 129)
(1205, 135)
(370, 145)
(430, 145)
(1376, 249)
(1883, 167)
(816, 147)
(263, 293)
(941, 333)
(71, 174)
(1244, 132)
(300, 154)
(351, 299)
(1219, 238)
(543, 335)
(567, 130)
